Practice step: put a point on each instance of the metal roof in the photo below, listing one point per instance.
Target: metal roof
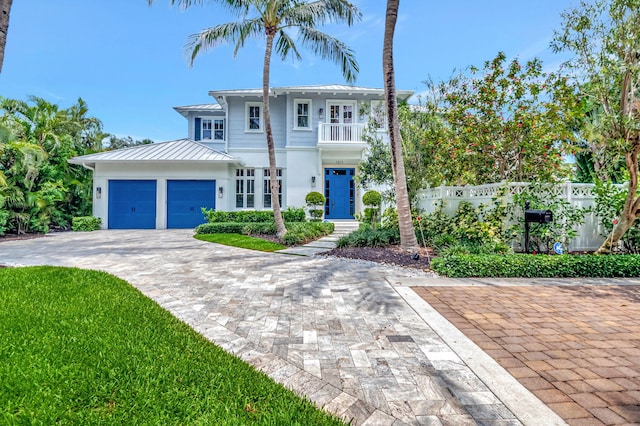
(320, 89)
(178, 150)
(184, 110)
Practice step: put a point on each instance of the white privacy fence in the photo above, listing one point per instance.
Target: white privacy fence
(578, 194)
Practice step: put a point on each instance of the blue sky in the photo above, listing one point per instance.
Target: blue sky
(126, 59)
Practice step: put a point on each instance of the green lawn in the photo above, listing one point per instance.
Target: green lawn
(242, 241)
(84, 347)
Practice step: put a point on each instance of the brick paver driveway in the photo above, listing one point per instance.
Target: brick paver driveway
(576, 347)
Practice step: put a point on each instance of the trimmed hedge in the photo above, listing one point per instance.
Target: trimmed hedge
(297, 232)
(85, 223)
(253, 216)
(540, 266)
(220, 228)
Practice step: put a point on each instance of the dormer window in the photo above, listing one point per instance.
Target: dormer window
(302, 114)
(209, 129)
(253, 113)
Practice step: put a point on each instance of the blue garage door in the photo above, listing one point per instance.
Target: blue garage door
(185, 200)
(132, 204)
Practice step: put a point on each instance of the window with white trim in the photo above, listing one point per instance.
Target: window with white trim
(206, 128)
(379, 115)
(218, 129)
(266, 193)
(245, 188)
(302, 114)
(253, 113)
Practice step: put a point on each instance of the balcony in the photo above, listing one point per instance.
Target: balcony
(340, 134)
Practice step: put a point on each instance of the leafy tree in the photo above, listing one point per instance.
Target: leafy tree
(114, 142)
(504, 122)
(604, 36)
(408, 238)
(272, 21)
(376, 169)
(40, 188)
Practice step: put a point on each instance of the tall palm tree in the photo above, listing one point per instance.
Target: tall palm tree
(5, 9)
(408, 238)
(271, 20)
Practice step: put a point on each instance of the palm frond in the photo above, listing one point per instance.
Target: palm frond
(332, 49)
(285, 46)
(231, 32)
(321, 12)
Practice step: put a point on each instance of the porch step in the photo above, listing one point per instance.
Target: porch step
(343, 227)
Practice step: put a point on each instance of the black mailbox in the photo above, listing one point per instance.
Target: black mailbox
(538, 216)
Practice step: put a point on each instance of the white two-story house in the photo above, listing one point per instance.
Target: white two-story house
(223, 162)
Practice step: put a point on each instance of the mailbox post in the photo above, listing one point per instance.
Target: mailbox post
(534, 216)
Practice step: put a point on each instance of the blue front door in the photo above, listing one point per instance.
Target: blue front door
(132, 204)
(339, 190)
(185, 200)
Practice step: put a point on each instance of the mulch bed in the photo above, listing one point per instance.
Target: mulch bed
(392, 255)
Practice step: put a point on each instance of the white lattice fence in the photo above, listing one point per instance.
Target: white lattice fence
(578, 194)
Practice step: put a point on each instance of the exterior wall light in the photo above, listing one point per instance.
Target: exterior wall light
(313, 181)
(321, 113)
(220, 192)
(98, 192)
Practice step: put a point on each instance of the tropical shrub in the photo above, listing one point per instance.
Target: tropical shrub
(522, 265)
(86, 223)
(372, 200)
(315, 201)
(366, 236)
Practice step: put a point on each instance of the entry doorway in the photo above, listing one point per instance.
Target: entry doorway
(340, 193)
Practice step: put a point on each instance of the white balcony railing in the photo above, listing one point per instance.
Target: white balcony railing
(336, 133)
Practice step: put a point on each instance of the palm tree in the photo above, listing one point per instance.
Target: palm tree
(272, 20)
(5, 9)
(408, 238)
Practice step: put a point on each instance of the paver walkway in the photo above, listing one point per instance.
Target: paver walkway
(338, 331)
(575, 346)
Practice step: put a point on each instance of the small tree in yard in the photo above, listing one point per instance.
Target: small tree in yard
(604, 36)
(372, 200)
(315, 201)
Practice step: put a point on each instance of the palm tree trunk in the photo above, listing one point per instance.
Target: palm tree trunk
(5, 9)
(273, 179)
(408, 240)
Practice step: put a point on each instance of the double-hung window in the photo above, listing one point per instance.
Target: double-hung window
(218, 129)
(253, 112)
(206, 128)
(302, 114)
(245, 188)
(267, 187)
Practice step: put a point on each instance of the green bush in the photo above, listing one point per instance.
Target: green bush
(86, 223)
(257, 228)
(314, 199)
(372, 198)
(220, 228)
(293, 214)
(245, 216)
(366, 236)
(523, 265)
